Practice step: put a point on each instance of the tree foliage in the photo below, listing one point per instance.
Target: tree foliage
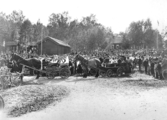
(141, 33)
(86, 34)
(58, 25)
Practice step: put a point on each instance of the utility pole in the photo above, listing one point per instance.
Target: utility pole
(41, 40)
(157, 36)
(157, 41)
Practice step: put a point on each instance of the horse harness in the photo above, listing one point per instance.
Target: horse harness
(84, 61)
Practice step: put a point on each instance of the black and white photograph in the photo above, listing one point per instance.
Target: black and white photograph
(83, 59)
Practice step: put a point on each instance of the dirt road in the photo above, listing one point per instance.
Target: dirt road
(130, 98)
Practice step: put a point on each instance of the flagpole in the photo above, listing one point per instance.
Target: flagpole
(4, 45)
(157, 41)
(157, 37)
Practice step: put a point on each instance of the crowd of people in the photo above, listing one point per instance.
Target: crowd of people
(149, 59)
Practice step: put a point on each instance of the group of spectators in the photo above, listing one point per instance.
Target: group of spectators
(150, 59)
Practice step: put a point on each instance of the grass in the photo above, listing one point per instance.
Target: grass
(25, 99)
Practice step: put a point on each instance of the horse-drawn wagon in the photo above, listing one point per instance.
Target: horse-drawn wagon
(115, 69)
(50, 70)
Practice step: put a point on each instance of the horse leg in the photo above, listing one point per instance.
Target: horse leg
(153, 73)
(156, 74)
(85, 73)
(97, 74)
(38, 75)
(31, 72)
(10, 79)
(72, 70)
(21, 79)
(161, 77)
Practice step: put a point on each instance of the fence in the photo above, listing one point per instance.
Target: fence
(7, 78)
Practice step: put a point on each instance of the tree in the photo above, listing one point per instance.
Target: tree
(96, 38)
(148, 34)
(38, 27)
(125, 42)
(91, 42)
(58, 25)
(86, 34)
(160, 41)
(73, 29)
(141, 34)
(26, 32)
(5, 28)
(16, 18)
(89, 21)
(40, 31)
(135, 33)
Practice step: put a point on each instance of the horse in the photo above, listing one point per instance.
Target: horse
(32, 62)
(13, 66)
(88, 64)
(158, 70)
(71, 65)
(164, 68)
(2, 61)
(79, 69)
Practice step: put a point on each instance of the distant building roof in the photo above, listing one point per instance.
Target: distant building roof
(117, 39)
(31, 43)
(60, 42)
(11, 43)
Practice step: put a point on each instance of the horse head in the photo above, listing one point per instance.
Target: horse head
(14, 57)
(77, 58)
(101, 59)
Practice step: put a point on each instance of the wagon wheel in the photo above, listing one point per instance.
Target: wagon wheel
(50, 75)
(119, 72)
(164, 74)
(2, 103)
(109, 73)
(64, 73)
(92, 71)
(102, 73)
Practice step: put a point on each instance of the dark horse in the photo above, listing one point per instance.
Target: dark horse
(33, 63)
(88, 64)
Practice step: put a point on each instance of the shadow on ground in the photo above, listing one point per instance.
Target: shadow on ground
(80, 79)
(42, 80)
(154, 83)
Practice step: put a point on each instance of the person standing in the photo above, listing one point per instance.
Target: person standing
(152, 67)
(140, 63)
(145, 63)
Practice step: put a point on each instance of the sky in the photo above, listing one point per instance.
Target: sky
(116, 14)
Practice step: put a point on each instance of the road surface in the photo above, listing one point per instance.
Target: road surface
(106, 99)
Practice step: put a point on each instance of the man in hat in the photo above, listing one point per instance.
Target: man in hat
(145, 63)
(140, 63)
